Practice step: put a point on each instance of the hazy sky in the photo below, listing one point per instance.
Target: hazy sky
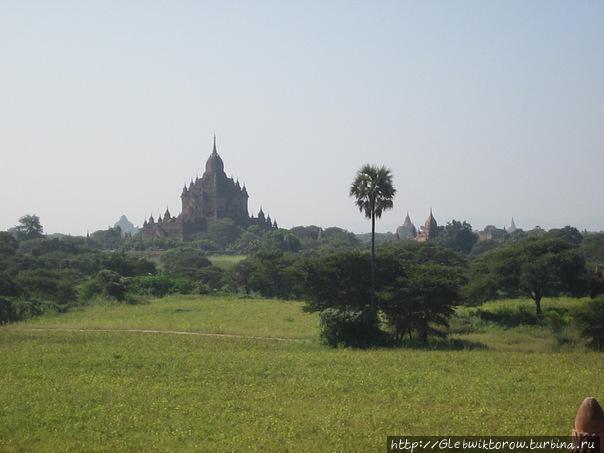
(483, 110)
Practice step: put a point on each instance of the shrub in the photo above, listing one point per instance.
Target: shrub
(510, 317)
(8, 287)
(19, 309)
(7, 311)
(111, 284)
(185, 262)
(125, 265)
(159, 285)
(354, 328)
(591, 323)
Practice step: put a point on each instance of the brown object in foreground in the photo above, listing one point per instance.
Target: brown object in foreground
(589, 425)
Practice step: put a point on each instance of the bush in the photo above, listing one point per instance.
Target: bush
(19, 309)
(125, 265)
(7, 311)
(159, 285)
(8, 287)
(354, 328)
(185, 262)
(591, 323)
(111, 284)
(510, 317)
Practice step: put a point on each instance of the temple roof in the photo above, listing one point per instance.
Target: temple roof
(214, 163)
(430, 222)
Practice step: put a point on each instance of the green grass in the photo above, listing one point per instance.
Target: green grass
(112, 391)
(226, 262)
(223, 315)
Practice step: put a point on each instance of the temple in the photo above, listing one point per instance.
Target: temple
(206, 199)
(408, 231)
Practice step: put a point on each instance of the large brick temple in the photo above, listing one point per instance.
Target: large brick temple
(213, 196)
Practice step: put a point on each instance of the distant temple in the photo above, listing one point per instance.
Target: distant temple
(512, 227)
(408, 231)
(211, 197)
(429, 230)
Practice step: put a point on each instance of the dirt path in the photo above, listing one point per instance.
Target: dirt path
(171, 332)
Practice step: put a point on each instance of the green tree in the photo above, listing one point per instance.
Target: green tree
(29, 227)
(424, 297)
(591, 323)
(8, 244)
(373, 191)
(224, 232)
(338, 280)
(592, 248)
(537, 266)
(457, 236)
(185, 262)
(568, 234)
(111, 238)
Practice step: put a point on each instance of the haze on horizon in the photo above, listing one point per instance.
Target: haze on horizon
(483, 110)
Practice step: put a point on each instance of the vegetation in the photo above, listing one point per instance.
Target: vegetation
(71, 390)
(533, 266)
(591, 322)
(373, 192)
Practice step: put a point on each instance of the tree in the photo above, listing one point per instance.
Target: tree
(592, 248)
(457, 236)
(568, 234)
(8, 244)
(373, 191)
(111, 238)
(185, 262)
(224, 232)
(537, 266)
(338, 280)
(29, 227)
(591, 322)
(424, 297)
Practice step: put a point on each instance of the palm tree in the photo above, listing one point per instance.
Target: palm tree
(374, 191)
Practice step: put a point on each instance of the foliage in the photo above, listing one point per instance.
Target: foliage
(592, 247)
(339, 279)
(535, 266)
(110, 239)
(8, 286)
(373, 191)
(111, 284)
(185, 262)
(422, 299)
(159, 285)
(8, 244)
(279, 240)
(481, 247)
(417, 285)
(74, 378)
(568, 234)
(271, 273)
(29, 227)
(12, 310)
(223, 232)
(591, 323)
(457, 236)
(126, 265)
(356, 328)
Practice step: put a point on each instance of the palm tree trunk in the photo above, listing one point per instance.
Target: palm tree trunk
(373, 304)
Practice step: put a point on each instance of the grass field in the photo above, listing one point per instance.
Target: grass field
(117, 391)
(226, 261)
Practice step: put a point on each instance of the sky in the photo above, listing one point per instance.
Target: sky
(483, 111)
